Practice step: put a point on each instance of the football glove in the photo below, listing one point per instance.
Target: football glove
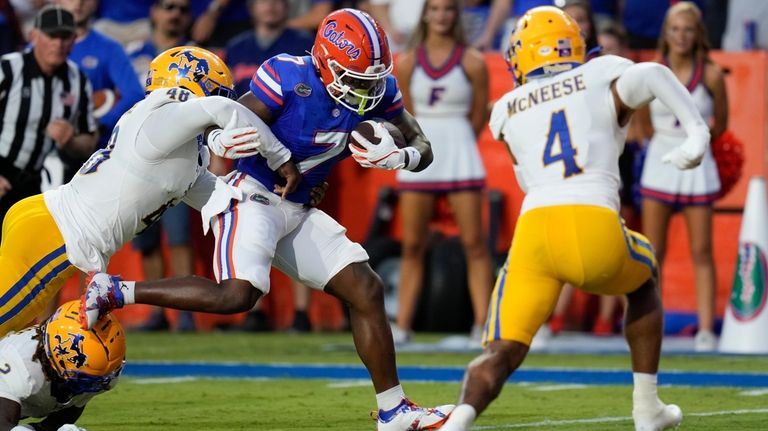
(385, 155)
(234, 142)
(689, 154)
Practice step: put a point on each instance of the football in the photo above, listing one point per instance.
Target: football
(365, 128)
(103, 102)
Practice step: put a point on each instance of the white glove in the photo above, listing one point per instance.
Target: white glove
(71, 427)
(385, 155)
(689, 154)
(234, 142)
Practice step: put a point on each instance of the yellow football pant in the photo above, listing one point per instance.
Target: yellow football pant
(586, 246)
(33, 263)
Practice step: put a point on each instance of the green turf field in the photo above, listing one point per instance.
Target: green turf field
(254, 404)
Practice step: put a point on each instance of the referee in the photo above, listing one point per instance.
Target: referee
(45, 103)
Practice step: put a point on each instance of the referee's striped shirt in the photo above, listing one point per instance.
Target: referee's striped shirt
(29, 101)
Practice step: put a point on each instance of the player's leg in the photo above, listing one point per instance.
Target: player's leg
(33, 261)
(699, 222)
(416, 209)
(522, 300)
(467, 210)
(319, 254)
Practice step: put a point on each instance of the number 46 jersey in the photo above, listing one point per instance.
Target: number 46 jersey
(563, 132)
(155, 159)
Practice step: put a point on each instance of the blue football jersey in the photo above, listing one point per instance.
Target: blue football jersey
(308, 121)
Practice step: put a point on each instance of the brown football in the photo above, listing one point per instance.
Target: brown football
(365, 128)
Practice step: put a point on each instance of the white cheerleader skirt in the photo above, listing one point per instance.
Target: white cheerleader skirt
(666, 183)
(456, 165)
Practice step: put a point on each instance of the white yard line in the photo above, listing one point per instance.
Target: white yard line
(609, 419)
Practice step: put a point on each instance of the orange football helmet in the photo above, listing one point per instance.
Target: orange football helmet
(85, 360)
(351, 52)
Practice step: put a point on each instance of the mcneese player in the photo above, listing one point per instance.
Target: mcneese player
(155, 158)
(52, 370)
(312, 104)
(565, 126)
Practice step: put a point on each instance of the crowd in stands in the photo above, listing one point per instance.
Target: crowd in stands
(114, 41)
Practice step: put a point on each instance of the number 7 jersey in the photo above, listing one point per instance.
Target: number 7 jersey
(565, 136)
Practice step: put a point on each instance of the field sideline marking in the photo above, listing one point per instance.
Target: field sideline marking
(610, 419)
(436, 374)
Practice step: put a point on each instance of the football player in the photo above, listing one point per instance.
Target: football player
(52, 370)
(312, 104)
(155, 158)
(565, 126)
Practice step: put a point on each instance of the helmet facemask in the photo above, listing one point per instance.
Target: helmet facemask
(358, 92)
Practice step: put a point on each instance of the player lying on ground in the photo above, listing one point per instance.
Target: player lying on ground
(52, 370)
(565, 125)
(312, 104)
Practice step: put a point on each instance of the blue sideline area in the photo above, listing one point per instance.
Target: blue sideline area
(435, 374)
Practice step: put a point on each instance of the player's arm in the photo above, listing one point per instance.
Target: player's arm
(497, 123)
(418, 144)
(57, 419)
(477, 72)
(639, 84)
(10, 411)
(715, 83)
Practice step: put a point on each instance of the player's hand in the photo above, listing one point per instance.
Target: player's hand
(689, 154)
(385, 155)
(71, 427)
(317, 194)
(290, 172)
(234, 142)
(61, 131)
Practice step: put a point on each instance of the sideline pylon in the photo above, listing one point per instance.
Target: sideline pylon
(745, 329)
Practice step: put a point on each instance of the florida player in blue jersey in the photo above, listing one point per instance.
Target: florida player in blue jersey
(312, 104)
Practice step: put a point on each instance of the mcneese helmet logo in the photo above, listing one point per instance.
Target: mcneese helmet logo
(189, 62)
(72, 352)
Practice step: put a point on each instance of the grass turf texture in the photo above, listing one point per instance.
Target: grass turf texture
(207, 404)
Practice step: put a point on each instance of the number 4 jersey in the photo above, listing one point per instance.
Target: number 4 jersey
(563, 132)
(155, 158)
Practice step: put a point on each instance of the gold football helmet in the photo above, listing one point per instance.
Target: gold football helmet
(85, 360)
(546, 41)
(195, 69)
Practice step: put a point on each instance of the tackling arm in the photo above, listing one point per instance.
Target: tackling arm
(10, 412)
(57, 419)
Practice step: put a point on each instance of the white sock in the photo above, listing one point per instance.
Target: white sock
(390, 398)
(644, 395)
(462, 416)
(128, 289)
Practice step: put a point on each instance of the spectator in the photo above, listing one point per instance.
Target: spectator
(170, 22)
(11, 38)
(399, 19)
(26, 10)
(268, 37)
(57, 369)
(581, 12)
(742, 13)
(474, 19)
(125, 21)
(449, 101)
(643, 20)
(45, 103)
(503, 17)
(684, 48)
(309, 20)
(217, 21)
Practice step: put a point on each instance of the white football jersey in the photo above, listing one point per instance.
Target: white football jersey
(563, 132)
(155, 158)
(22, 379)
